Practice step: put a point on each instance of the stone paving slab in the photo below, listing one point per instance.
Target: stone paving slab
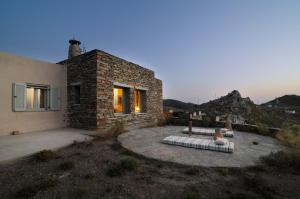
(17, 146)
(147, 142)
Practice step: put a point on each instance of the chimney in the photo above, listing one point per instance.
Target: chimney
(74, 48)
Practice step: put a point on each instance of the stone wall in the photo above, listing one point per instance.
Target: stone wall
(82, 71)
(112, 69)
(97, 72)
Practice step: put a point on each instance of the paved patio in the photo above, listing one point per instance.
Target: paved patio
(147, 142)
(17, 146)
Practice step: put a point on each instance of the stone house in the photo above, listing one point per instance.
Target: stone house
(89, 90)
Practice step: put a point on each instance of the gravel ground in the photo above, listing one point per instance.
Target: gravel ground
(92, 169)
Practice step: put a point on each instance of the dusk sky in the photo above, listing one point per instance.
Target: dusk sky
(200, 49)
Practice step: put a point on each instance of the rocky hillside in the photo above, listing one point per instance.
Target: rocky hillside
(239, 109)
(286, 101)
(231, 103)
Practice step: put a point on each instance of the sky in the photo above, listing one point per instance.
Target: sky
(200, 49)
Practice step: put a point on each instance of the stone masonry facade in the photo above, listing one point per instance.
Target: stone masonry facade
(96, 73)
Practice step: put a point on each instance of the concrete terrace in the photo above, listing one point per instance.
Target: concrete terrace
(147, 142)
(17, 146)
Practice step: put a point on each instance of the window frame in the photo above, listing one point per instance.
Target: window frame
(36, 99)
(52, 97)
(142, 100)
(125, 100)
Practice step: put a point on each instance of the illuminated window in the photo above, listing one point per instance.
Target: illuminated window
(36, 98)
(121, 100)
(30, 98)
(118, 100)
(139, 101)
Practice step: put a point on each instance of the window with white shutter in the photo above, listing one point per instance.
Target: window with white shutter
(19, 97)
(35, 97)
(54, 98)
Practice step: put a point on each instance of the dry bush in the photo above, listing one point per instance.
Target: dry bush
(45, 155)
(130, 163)
(260, 186)
(67, 165)
(192, 171)
(283, 160)
(82, 190)
(262, 129)
(31, 190)
(290, 136)
(116, 129)
(163, 119)
(114, 170)
(118, 169)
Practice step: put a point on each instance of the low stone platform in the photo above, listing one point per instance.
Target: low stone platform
(147, 142)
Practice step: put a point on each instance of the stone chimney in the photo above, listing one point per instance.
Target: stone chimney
(74, 48)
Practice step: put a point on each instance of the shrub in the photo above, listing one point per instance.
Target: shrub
(89, 176)
(118, 128)
(82, 190)
(192, 195)
(130, 163)
(192, 171)
(164, 119)
(119, 169)
(283, 160)
(241, 195)
(67, 165)
(116, 146)
(223, 171)
(106, 134)
(262, 129)
(260, 186)
(31, 190)
(45, 155)
(290, 136)
(115, 170)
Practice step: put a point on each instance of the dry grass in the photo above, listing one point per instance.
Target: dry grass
(290, 136)
(283, 160)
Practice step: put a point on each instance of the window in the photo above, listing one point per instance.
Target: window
(121, 100)
(36, 97)
(139, 101)
(76, 94)
(118, 100)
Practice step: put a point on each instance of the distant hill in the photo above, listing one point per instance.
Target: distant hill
(179, 104)
(241, 110)
(232, 103)
(285, 101)
(238, 109)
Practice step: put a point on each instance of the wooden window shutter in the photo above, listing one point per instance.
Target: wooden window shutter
(19, 96)
(55, 98)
